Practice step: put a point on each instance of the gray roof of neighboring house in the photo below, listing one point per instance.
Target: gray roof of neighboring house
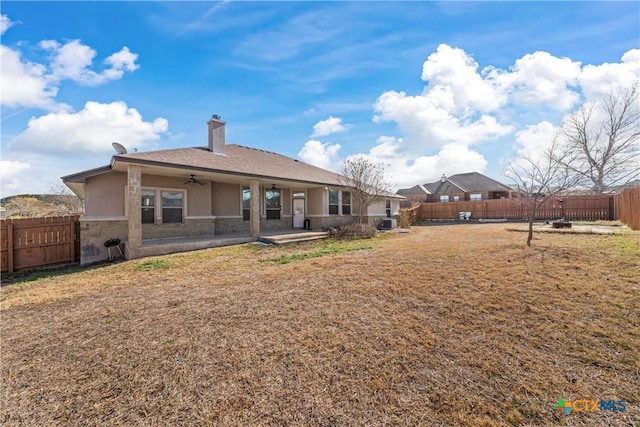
(416, 190)
(237, 160)
(466, 183)
(470, 182)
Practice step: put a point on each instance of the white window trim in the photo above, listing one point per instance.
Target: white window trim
(158, 204)
(242, 188)
(263, 213)
(350, 203)
(329, 190)
(471, 198)
(96, 218)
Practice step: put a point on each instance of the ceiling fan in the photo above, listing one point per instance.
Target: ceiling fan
(193, 181)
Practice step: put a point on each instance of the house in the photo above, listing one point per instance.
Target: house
(464, 186)
(413, 196)
(220, 189)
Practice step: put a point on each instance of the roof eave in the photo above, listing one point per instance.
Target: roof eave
(80, 177)
(146, 162)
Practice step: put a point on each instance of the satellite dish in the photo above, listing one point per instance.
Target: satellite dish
(119, 148)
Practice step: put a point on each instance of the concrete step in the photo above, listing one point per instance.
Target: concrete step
(294, 238)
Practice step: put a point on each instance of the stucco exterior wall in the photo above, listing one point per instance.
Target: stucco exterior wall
(226, 199)
(285, 200)
(198, 196)
(104, 194)
(377, 209)
(317, 201)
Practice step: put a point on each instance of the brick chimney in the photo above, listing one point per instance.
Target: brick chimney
(216, 134)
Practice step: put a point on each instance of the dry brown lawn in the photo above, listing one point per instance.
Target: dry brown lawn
(443, 326)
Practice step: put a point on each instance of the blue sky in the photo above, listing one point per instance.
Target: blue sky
(425, 87)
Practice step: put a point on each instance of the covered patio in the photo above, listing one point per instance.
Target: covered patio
(155, 247)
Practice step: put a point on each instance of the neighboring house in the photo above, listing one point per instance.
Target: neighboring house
(460, 187)
(208, 191)
(413, 196)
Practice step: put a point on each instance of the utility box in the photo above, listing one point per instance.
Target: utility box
(389, 223)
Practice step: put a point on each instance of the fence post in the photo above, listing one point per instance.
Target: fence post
(10, 246)
(72, 240)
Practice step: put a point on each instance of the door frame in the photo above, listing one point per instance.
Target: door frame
(293, 211)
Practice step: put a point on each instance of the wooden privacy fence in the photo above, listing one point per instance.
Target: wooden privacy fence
(628, 207)
(409, 216)
(573, 208)
(39, 242)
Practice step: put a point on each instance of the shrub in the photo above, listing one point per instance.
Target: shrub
(356, 231)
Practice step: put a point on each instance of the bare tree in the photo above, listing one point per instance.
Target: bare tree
(66, 202)
(604, 139)
(367, 183)
(538, 179)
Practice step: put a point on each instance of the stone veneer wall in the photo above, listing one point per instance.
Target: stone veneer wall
(93, 234)
(284, 223)
(190, 228)
(231, 225)
(321, 223)
(238, 225)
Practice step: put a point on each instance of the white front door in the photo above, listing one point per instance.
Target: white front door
(298, 213)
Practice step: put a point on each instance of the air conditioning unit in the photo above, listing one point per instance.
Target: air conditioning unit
(389, 223)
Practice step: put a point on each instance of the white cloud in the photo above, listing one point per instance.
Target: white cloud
(5, 24)
(11, 175)
(328, 127)
(454, 82)
(30, 84)
(599, 80)
(427, 126)
(90, 130)
(24, 83)
(535, 139)
(463, 105)
(323, 155)
(540, 78)
(73, 59)
(406, 170)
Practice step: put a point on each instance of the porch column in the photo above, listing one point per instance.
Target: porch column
(254, 218)
(134, 206)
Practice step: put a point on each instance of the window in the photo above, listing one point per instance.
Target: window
(475, 197)
(387, 205)
(444, 199)
(272, 202)
(172, 207)
(333, 202)
(162, 206)
(246, 203)
(456, 198)
(148, 207)
(346, 203)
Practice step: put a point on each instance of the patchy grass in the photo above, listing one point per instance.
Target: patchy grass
(327, 247)
(447, 325)
(152, 264)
